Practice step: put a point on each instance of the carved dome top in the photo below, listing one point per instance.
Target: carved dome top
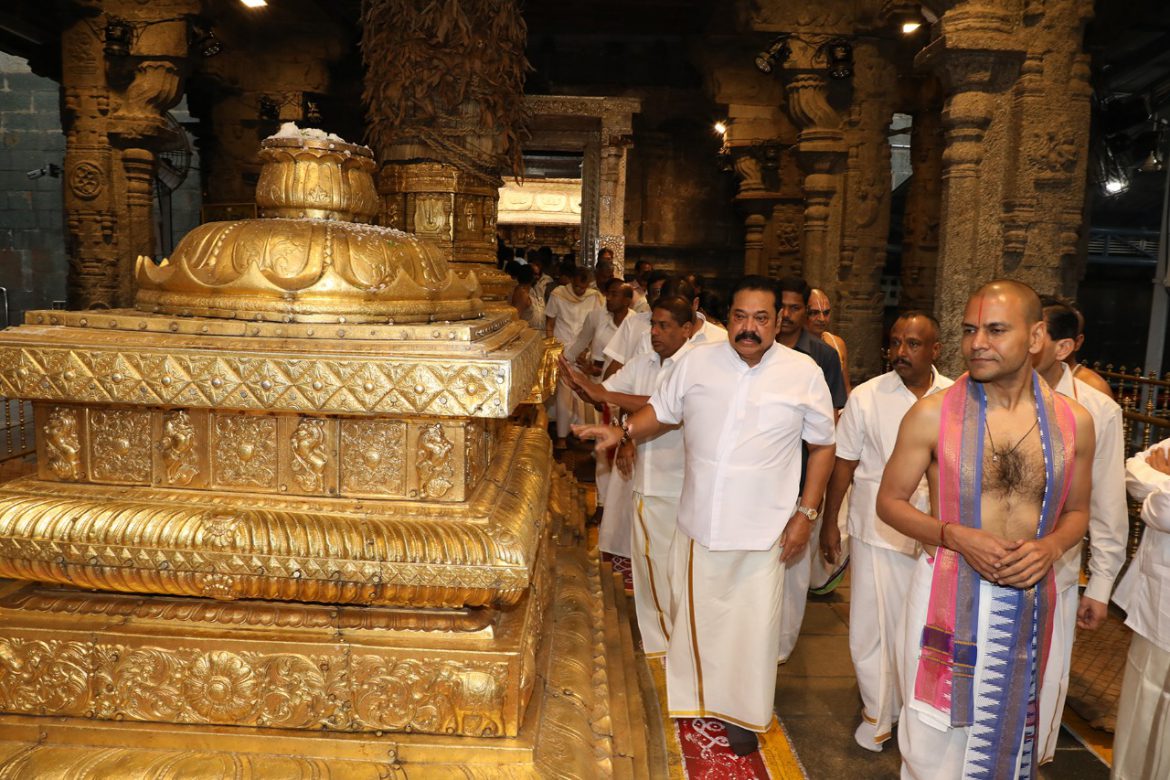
(310, 258)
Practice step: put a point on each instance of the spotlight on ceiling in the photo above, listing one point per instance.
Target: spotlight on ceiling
(1116, 186)
(909, 28)
(254, 3)
(203, 40)
(721, 128)
(1152, 163)
(777, 52)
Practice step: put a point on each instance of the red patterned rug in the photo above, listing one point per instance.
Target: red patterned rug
(621, 565)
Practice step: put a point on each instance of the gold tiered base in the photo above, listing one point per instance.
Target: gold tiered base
(63, 651)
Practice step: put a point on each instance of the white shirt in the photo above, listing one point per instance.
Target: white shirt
(1144, 591)
(595, 335)
(1108, 512)
(866, 433)
(633, 337)
(658, 469)
(742, 439)
(570, 311)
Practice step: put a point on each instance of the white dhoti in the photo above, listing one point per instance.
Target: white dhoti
(878, 588)
(563, 408)
(1054, 688)
(653, 528)
(797, 575)
(931, 748)
(1141, 744)
(725, 610)
(617, 517)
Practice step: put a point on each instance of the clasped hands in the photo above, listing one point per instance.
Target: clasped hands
(1015, 564)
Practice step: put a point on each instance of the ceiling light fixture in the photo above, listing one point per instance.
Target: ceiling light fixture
(777, 52)
(254, 3)
(910, 27)
(721, 128)
(1116, 186)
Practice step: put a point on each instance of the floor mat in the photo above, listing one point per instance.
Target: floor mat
(697, 748)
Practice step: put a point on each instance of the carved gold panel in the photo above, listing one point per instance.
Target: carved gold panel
(308, 455)
(435, 468)
(373, 458)
(180, 448)
(60, 441)
(120, 446)
(244, 451)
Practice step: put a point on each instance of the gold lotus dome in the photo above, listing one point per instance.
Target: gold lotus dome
(311, 257)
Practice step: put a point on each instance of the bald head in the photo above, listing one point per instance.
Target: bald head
(1015, 292)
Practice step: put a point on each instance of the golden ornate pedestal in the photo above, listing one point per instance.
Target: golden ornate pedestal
(287, 522)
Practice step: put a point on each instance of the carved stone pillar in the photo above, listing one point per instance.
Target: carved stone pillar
(920, 226)
(821, 152)
(616, 139)
(445, 142)
(854, 279)
(116, 99)
(977, 59)
(755, 199)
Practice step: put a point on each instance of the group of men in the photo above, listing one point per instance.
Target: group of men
(966, 503)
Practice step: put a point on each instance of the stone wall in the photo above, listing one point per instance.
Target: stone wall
(32, 240)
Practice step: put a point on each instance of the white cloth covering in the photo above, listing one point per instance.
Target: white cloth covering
(931, 748)
(617, 517)
(569, 312)
(879, 583)
(653, 531)
(725, 610)
(1144, 591)
(744, 425)
(1141, 744)
(1108, 535)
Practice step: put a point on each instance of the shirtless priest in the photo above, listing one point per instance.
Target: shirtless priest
(1008, 462)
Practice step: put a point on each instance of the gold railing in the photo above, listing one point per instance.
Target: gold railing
(16, 428)
(1145, 406)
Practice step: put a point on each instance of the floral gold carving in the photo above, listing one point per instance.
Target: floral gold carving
(63, 444)
(283, 690)
(433, 461)
(177, 446)
(119, 445)
(310, 455)
(373, 457)
(244, 450)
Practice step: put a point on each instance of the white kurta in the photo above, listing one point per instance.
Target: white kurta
(1108, 535)
(744, 425)
(656, 485)
(882, 559)
(569, 312)
(1141, 746)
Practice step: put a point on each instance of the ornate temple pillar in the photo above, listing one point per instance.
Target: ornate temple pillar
(977, 57)
(920, 225)
(1043, 200)
(821, 151)
(617, 135)
(122, 69)
(854, 280)
(444, 142)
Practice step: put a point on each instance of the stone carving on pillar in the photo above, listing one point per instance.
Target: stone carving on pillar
(444, 141)
(820, 151)
(114, 117)
(977, 57)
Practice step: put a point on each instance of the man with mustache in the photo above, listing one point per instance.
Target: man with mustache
(882, 560)
(1108, 517)
(794, 297)
(1008, 462)
(747, 404)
